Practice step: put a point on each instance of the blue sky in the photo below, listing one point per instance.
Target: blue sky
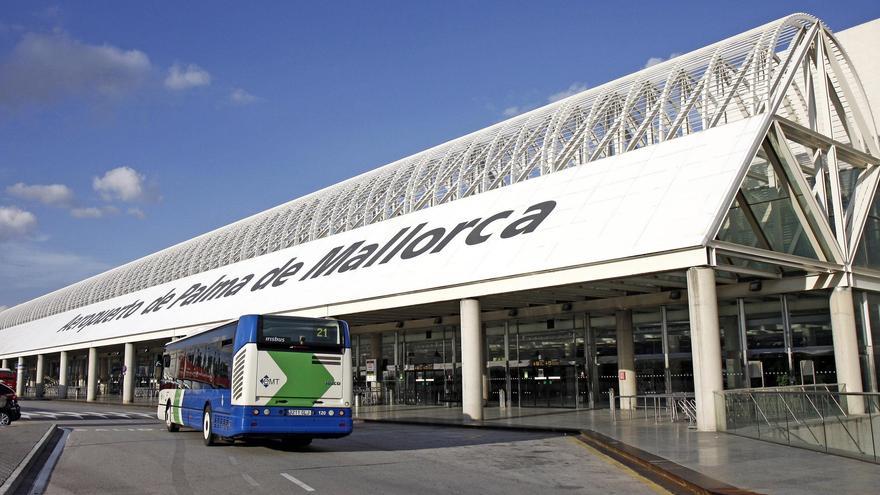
(126, 127)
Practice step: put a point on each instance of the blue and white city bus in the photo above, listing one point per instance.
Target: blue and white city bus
(261, 376)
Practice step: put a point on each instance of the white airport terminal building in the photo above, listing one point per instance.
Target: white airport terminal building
(709, 223)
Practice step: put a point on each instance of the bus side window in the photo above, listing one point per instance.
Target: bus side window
(223, 365)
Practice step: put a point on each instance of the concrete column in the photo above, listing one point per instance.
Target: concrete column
(19, 377)
(705, 344)
(5, 364)
(62, 375)
(92, 376)
(846, 346)
(626, 364)
(472, 361)
(38, 380)
(128, 375)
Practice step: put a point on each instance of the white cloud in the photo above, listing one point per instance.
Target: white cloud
(573, 89)
(123, 183)
(43, 68)
(191, 76)
(93, 211)
(656, 60)
(15, 223)
(239, 96)
(512, 111)
(51, 194)
(137, 213)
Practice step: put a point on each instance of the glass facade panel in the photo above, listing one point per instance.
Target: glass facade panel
(766, 340)
(731, 345)
(868, 253)
(648, 349)
(767, 200)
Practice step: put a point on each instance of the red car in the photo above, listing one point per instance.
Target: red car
(9, 409)
(8, 377)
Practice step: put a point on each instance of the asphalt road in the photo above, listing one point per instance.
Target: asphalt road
(138, 456)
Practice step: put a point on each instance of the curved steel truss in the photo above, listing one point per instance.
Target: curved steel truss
(728, 81)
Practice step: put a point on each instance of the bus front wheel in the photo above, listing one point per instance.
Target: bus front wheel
(170, 425)
(208, 428)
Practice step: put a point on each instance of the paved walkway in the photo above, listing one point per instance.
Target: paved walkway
(745, 463)
(16, 442)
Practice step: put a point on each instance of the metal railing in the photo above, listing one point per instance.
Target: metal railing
(821, 417)
(659, 407)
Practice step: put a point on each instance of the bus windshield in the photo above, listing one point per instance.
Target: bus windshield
(292, 332)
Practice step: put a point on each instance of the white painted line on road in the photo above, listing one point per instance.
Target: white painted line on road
(298, 482)
(233, 461)
(250, 480)
(66, 413)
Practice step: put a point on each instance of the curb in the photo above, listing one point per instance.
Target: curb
(670, 475)
(484, 426)
(28, 463)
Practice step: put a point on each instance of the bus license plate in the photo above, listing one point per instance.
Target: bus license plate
(299, 412)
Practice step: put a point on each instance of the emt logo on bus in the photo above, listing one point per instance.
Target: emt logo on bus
(266, 381)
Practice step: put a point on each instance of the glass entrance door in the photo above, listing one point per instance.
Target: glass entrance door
(548, 383)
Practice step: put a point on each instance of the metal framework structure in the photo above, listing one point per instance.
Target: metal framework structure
(792, 70)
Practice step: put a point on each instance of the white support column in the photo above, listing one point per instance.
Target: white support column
(5, 364)
(626, 365)
(92, 376)
(62, 376)
(846, 347)
(705, 344)
(19, 377)
(471, 365)
(38, 380)
(128, 375)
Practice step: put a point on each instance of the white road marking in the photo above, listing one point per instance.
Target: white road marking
(233, 461)
(250, 480)
(298, 482)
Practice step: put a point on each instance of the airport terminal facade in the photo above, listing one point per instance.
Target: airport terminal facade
(708, 223)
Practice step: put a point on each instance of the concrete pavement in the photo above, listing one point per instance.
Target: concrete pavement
(738, 461)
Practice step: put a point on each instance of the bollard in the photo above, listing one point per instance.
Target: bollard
(611, 402)
(502, 400)
(357, 402)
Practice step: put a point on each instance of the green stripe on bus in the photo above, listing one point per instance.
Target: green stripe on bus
(306, 381)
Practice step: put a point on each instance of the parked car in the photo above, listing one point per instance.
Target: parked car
(9, 409)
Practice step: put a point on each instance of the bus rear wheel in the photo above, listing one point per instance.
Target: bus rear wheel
(170, 425)
(208, 428)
